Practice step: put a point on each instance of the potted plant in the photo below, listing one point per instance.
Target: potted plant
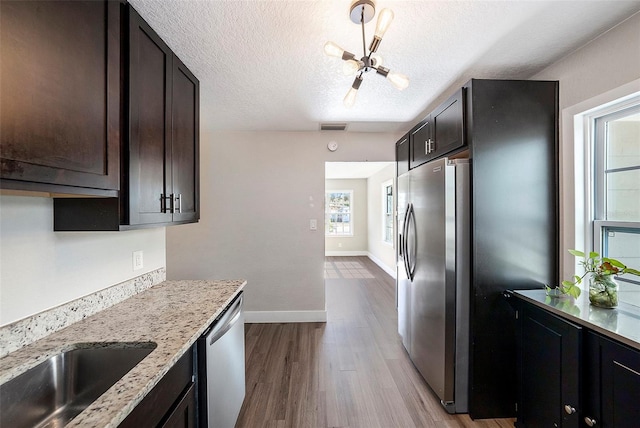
(565, 289)
(603, 288)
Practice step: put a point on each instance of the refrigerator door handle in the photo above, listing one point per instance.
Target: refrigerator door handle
(401, 238)
(405, 230)
(411, 255)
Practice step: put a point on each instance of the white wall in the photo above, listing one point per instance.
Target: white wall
(380, 251)
(41, 269)
(258, 191)
(609, 62)
(357, 243)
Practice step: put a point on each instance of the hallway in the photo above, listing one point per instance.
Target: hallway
(350, 372)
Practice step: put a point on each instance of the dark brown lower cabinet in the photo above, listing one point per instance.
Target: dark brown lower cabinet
(612, 384)
(571, 376)
(549, 370)
(172, 402)
(184, 415)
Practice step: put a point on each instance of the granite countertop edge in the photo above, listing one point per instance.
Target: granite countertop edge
(621, 323)
(172, 314)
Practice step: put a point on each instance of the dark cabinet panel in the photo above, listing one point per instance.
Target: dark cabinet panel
(421, 141)
(60, 104)
(150, 72)
(511, 130)
(184, 415)
(448, 126)
(402, 155)
(549, 370)
(161, 404)
(612, 384)
(185, 143)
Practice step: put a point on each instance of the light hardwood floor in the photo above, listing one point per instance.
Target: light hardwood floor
(350, 372)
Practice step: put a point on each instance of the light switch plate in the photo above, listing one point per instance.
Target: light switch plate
(137, 260)
(313, 224)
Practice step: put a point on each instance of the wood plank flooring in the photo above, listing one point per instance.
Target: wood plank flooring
(350, 372)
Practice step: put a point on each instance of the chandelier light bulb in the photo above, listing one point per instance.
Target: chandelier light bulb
(331, 49)
(400, 81)
(350, 98)
(384, 20)
(350, 67)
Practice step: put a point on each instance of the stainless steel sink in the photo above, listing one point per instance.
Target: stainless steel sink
(58, 389)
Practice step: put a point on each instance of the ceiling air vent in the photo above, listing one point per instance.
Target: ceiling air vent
(333, 126)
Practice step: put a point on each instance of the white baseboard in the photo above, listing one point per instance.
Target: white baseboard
(387, 269)
(259, 317)
(345, 253)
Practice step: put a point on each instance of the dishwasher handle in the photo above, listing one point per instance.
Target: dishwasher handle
(226, 322)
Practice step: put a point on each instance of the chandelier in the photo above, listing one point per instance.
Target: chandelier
(363, 11)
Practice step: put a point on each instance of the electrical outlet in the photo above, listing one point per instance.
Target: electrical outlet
(137, 260)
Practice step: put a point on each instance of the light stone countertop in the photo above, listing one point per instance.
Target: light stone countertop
(172, 314)
(621, 323)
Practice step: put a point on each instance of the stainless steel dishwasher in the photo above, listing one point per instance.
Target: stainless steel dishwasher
(221, 358)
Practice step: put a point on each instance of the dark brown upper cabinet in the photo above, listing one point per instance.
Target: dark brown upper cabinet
(163, 131)
(185, 143)
(402, 155)
(160, 156)
(60, 104)
(420, 141)
(440, 133)
(448, 126)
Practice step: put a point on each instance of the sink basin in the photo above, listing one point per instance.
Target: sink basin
(58, 389)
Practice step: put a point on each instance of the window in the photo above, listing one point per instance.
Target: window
(616, 189)
(387, 212)
(338, 213)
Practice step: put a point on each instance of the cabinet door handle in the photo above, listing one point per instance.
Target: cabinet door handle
(163, 202)
(570, 410)
(430, 145)
(590, 422)
(178, 203)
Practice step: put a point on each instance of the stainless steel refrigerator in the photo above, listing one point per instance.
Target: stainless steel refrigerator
(433, 275)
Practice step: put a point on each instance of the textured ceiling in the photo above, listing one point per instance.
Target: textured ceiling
(261, 64)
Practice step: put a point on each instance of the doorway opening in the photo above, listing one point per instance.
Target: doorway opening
(358, 215)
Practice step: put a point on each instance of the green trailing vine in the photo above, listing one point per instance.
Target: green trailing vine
(598, 267)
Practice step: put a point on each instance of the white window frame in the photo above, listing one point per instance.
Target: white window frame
(327, 213)
(385, 186)
(592, 152)
(574, 176)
